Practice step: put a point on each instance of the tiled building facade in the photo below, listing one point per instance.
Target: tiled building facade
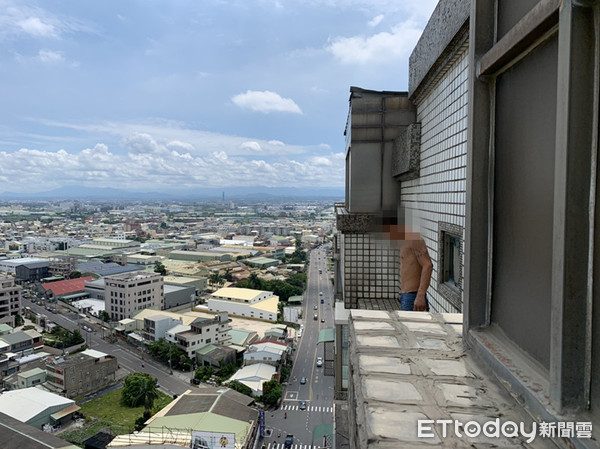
(500, 165)
(438, 195)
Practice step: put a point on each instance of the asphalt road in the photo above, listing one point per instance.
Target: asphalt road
(130, 359)
(317, 392)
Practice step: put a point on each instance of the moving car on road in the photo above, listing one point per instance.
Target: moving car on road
(319, 362)
(303, 380)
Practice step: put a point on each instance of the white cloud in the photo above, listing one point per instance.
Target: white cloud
(144, 170)
(19, 21)
(381, 47)
(376, 20)
(265, 101)
(253, 146)
(50, 57)
(276, 142)
(37, 27)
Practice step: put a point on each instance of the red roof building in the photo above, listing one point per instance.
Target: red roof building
(60, 288)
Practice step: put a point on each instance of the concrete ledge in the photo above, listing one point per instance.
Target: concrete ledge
(522, 378)
(444, 24)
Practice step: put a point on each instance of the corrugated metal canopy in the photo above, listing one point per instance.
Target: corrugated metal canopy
(326, 335)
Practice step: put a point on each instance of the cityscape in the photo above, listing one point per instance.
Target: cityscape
(300, 225)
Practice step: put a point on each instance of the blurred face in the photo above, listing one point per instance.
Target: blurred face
(402, 232)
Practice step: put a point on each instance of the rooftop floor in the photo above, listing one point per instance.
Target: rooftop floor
(407, 367)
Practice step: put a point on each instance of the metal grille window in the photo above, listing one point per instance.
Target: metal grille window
(370, 270)
(450, 265)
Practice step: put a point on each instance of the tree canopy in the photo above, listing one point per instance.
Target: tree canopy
(271, 392)
(160, 268)
(139, 389)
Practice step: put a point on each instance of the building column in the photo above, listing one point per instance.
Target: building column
(576, 146)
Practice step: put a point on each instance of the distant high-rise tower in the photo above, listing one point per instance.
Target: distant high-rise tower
(223, 196)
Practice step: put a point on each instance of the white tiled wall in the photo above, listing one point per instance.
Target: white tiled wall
(439, 194)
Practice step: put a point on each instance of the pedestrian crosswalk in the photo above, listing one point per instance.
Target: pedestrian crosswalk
(311, 408)
(294, 446)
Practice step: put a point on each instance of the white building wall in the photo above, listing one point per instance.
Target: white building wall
(239, 309)
(439, 194)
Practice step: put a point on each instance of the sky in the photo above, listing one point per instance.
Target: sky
(177, 95)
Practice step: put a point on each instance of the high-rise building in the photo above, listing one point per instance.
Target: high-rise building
(10, 300)
(127, 293)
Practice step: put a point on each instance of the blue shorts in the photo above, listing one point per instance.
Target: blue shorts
(407, 301)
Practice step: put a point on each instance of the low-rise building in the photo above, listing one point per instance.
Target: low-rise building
(82, 373)
(156, 326)
(178, 295)
(269, 352)
(31, 378)
(204, 331)
(36, 407)
(24, 436)
(253, 376)
(17, 342)
(209, 414)
(245, 302)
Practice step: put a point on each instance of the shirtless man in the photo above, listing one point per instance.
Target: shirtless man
(415, 268)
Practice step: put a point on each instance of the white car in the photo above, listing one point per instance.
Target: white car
(319, 361)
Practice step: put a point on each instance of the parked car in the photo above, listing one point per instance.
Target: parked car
(319, 361)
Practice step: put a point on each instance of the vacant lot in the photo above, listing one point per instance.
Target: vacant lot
(107, 414)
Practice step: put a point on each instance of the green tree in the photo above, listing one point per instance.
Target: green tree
(238, 386)
(271, 393)
(75, 275)
(139, 389)
(160, 268)
(204, 372)
(104, 316)
(169, 354)
(73, 338)
(216, 279)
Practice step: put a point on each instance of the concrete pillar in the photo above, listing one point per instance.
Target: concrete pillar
(576, 129)
(478, 218)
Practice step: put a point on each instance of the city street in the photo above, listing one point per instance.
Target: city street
(129, 358)
(317, 392)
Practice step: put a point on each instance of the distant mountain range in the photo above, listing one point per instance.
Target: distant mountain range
(230, 193)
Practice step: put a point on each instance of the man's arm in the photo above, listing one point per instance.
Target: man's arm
(422, 256)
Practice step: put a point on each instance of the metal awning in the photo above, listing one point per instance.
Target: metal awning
(65, 412)
(326, 335)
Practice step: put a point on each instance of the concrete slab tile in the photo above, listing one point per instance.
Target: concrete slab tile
(376, 364)
(431, 343)
(401, 425)
(390, 391)
(374, 314)
(413, 316)
(430, 328)
(382, 341)
(455, 368)
(373, 325)
(452, 318)
(463, 395)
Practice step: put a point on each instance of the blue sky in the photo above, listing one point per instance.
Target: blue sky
(184, 94)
